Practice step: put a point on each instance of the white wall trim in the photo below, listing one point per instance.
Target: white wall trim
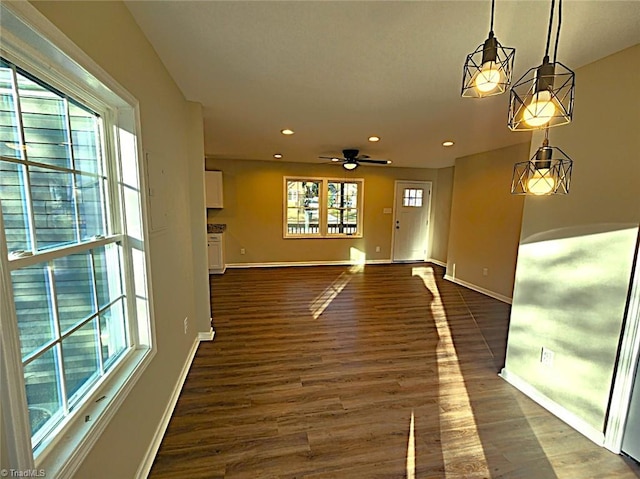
(479, 289)
(207, 336)
(152, 450)
(277, 264)
(554, 408)
(626, 366)
(438, 262)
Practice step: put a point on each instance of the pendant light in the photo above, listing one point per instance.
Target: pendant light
(488, 70)
(548, 172)
(543, 97)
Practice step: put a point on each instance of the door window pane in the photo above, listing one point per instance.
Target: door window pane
(412, 197)
(32, 297)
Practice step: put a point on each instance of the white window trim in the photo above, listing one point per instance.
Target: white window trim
(323, 208)
(32, 41)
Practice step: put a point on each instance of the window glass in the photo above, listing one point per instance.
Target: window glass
(10, 145)
(80, 359)
(14, 207)
(303, 207)
(323, 207)
(342, 214)
(53, 207)
(71, 312)
(34, 309)
(42, 380)
(113, 338)
(74, 288)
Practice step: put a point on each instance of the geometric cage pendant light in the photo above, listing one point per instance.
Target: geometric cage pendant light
(544, 96)
(548, 172)
(489, 69)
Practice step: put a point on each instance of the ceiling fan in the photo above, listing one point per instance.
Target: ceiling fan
(351, 160)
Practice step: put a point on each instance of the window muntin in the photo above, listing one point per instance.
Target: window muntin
(70, 305)
(412, 197)
(323, 207)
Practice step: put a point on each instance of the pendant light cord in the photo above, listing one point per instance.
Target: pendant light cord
(493, 4)
(555, 51)
(546, 50)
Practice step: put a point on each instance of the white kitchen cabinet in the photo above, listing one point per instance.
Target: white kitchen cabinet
(215, 250)
(213, 189)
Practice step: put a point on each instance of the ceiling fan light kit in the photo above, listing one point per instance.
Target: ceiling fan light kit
(351, 160)
(489, 69)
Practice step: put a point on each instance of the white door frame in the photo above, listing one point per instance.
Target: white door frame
(626, 365)
(395, 213)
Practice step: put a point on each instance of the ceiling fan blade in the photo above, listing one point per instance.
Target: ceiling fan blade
(329, 157)
(377, 162)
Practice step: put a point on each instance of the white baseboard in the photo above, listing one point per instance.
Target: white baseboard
(280, 264)
(207, 336)
(152, 450)
(479, 289)
(554, 408)
(438, 262)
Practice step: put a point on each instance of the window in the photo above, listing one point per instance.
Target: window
(72, 247)
(323, 208)
(412, 197)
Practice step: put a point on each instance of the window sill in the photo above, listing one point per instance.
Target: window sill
(62, 457)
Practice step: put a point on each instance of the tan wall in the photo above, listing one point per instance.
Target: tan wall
(485, 220)
(253, 196)
(442, 214)
(171, 132)
(576, 251)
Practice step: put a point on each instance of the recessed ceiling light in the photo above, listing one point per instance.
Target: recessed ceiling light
(448, 143)
(277, 155)
(287, 131)
(374, 138)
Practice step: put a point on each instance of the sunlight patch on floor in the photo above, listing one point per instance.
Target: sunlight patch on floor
(460, 449)
(324, 299)
(411, 450)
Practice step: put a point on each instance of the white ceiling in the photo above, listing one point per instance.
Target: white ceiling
(337, 72)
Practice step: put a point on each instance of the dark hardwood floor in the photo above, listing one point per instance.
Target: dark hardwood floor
(383, 372)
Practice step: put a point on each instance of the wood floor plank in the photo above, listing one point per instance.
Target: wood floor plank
(387, 371)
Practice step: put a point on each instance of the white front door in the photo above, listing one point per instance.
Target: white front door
(411, 220)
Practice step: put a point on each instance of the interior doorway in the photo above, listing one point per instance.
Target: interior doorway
(411, 220)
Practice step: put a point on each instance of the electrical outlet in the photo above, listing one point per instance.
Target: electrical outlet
(377, 249)
(242, 251)
(546, 357)
(186, 324)
(485, 271)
